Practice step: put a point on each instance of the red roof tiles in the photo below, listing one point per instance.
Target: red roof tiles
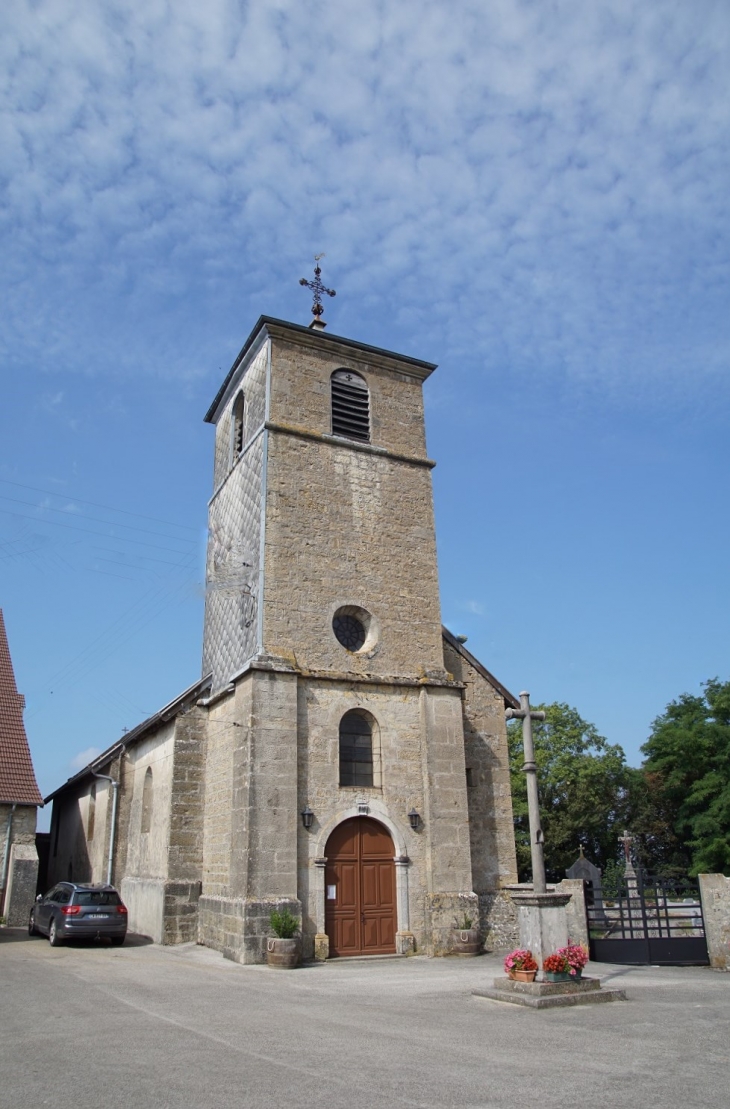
(17, 777)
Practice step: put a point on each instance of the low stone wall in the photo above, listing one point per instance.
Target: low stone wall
(498, 925)
(446, 911)
(239, 928)
(715, 897)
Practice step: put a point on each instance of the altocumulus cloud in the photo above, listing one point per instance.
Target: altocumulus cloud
(543, 183)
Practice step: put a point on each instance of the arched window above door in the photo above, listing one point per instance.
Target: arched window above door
(359, 750)
(350, 406)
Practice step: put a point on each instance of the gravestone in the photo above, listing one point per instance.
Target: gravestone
(584, 870)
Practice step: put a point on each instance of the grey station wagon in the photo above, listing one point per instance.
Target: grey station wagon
(70, 911)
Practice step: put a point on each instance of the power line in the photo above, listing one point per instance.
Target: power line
(130, 617)
(108, 507)
(100, 534)
(85, 516)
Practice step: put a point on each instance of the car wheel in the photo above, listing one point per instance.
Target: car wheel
(53, 936)
(32, 930)
(117, 941)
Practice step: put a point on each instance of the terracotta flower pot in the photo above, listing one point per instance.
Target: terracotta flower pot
(522, 975)
(285, 954)
(465, 941)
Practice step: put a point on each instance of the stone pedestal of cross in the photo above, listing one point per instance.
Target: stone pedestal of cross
(541, 914)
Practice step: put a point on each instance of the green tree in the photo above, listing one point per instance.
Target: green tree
(657, 847)
(688, 754)
(584, 786)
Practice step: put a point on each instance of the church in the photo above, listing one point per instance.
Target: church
(343, 754)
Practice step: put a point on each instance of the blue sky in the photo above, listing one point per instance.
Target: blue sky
(533, 195)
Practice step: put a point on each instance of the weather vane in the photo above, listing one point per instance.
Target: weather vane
(317, 288)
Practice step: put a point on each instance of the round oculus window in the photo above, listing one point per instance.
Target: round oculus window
(349, 630)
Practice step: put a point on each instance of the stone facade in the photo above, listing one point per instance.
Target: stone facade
(304, 523)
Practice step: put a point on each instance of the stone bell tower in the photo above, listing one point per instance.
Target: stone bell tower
(323, 635)
(322, 510)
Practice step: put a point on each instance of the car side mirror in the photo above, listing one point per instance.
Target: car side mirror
(39, 897)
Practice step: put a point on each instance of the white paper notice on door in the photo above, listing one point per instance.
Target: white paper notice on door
(331, 893)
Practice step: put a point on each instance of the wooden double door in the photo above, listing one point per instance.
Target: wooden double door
(360, 907)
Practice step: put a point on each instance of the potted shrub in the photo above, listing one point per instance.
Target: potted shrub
(566, 964)
(520, 965)
(464, 937)
(284, 948)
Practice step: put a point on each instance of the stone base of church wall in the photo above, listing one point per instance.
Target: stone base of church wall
(238, 927)
(498, 924)
(166, 911)
(145, 901)
(181, 912)
(447, 912)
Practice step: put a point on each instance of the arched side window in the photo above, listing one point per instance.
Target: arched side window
(91, 819)
(350, 406)
(147, 801)
(237, 428)
(359, 750)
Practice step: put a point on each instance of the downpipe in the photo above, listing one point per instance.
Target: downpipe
(113, 830)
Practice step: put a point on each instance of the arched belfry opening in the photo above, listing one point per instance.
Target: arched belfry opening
(360, 889)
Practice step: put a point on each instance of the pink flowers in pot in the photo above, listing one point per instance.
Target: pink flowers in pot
(567, 960)
(519, 959)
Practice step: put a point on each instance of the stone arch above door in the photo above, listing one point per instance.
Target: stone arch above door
(374, 808)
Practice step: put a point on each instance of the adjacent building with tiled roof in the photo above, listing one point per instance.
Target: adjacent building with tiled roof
(19, 798)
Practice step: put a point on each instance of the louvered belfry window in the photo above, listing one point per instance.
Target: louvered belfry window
(350, 406)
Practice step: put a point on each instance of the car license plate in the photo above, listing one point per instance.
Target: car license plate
(97, 916)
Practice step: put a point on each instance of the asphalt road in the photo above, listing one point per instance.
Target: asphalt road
(145, 1026)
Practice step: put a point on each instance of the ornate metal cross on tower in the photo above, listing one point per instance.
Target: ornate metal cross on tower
(318, 288)
(526, 715)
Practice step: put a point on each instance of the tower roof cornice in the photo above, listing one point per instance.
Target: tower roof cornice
(325, 342)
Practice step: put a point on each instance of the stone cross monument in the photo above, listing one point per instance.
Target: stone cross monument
(542, 918)
(527, 715)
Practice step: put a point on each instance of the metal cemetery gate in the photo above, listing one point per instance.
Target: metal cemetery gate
(649, 920)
